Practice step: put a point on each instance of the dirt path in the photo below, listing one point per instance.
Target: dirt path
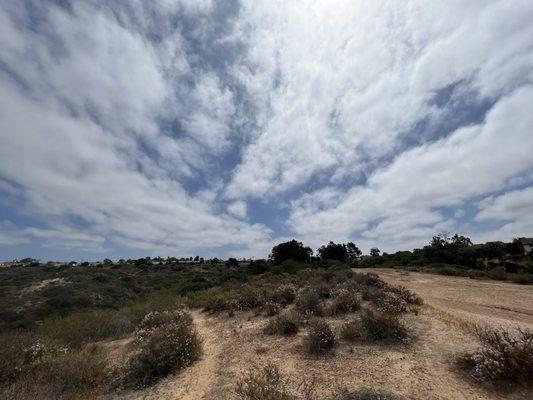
(478, 301)
(196, 381)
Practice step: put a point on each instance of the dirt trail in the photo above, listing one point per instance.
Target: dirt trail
(477, 301)
(196, 381)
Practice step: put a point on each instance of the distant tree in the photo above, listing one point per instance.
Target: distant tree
(444, 248)
(215, 261)
(232, 262)
(197, 258)
(107, 261)
(339, 251)
(353, 251)
(292, 250)
(333, 251)
(374, 252)
(515, 247)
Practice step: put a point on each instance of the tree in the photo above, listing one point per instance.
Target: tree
(333, 251)
(353, 251)
(339, 251)
(232, 262)
(291, 250)
(374, 252)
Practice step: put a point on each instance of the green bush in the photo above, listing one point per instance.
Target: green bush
(286, 324)
(309, 302)
(374, 327)
(320, 338)
(162, 349)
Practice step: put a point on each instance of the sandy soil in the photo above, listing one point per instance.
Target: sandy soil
(421, 370)
(476, 301)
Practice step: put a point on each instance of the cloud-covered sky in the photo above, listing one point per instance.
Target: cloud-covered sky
(221, 127)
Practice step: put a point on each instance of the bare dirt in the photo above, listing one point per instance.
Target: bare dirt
(475, 301)
(420, 370)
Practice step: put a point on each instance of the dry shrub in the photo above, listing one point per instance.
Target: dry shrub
(366, 394)
(344, 301)
(79, 329)
(156, 319)
(309, 302)
(249, 298)
(162, 349)
(320, 338)
(369, 279)
(406, 295)
(270, 308)
(504, 356)
(72, 375)
(284, 294)
(216, 303)
(375, 327)
(264, 384)
(267, 383)
(286, 324)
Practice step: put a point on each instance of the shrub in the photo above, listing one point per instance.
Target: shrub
(391, 303)
(309, 302)
(248, 298)
(369, 279)
(504, 356)
(375, 326)
(216, 303)
(320, 337)
(366, 394)
(351, 331)
(162, 349)
(156, 319)
(71, 375)
(344, 301)
(406, 295)
(270, 308)
(286, 324)
(78, 329)
(264, 384)
(284, 294)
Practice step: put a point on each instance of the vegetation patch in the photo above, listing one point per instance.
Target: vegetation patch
(504, 357)
(286, 324)
(320, 338)
(375, 327)
(166, 342)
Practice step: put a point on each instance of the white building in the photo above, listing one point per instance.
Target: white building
(527, 244)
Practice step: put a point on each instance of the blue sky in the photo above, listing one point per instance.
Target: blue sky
(220, 128)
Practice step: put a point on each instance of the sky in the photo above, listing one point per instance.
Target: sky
(222, 127)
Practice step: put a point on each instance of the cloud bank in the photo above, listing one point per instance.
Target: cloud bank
(180, 127)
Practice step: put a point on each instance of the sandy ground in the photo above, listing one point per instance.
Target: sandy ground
(421, 370)
(477, 301)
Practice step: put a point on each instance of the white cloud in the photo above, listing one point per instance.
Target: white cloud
(473, 161)
(238, 208)
(72, 140)
(338, 83)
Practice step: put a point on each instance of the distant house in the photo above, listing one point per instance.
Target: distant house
(527, 244)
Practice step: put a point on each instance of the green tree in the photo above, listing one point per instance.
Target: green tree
(292, 250)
